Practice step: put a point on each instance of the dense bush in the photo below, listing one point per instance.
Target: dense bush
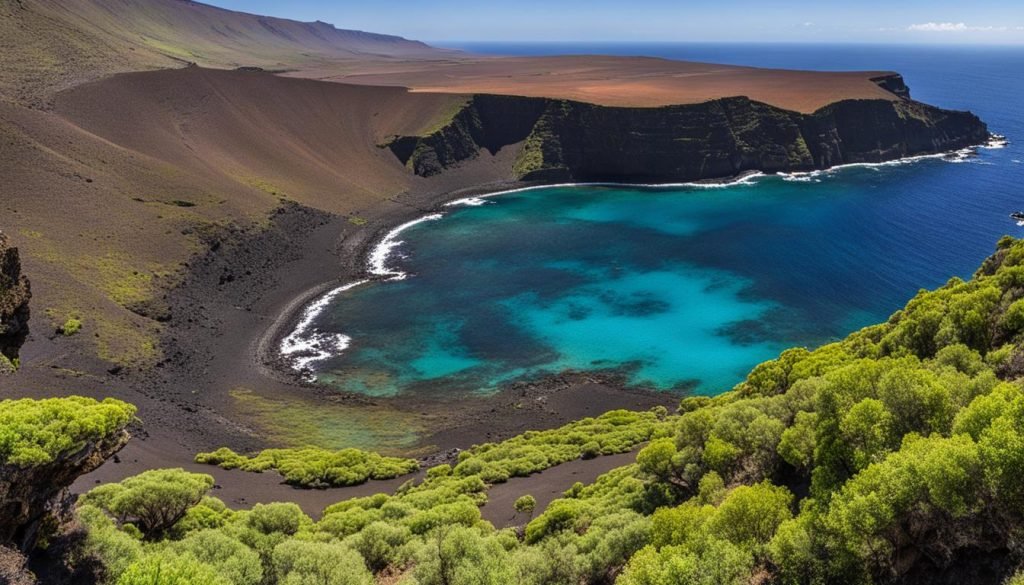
(154, 500)
(618, 431)
(315, 467)
(34, 432)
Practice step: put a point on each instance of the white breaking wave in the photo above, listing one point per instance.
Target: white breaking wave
(379, 257)
(996, 142)
(477, 200)
(806, 177)
(305, 345)
(963, 155)
(468, 202)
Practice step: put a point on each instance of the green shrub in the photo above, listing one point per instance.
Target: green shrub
(232, 560)
(314, 467)
(7, 365)
(525, 504)
(166, 568)
(618, 431)
(154, 500)
(70, 327)
(298, 562)
(34, 432)
(463, 556)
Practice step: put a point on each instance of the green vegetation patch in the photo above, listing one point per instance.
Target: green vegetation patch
(70, 327)
(315, 467)
(35, 432)
(330, 425)
(445, 117)
(617, 431)
(7, 365)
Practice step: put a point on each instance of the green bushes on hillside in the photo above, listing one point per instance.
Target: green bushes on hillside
(618, 431)
(34, 432)
(314, 467)
(154, 500)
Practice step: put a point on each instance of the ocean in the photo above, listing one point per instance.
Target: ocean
(684, 288)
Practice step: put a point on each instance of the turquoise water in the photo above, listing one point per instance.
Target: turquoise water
(684, 288)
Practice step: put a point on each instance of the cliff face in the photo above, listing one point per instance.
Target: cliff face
(29, 495)
(14, 312)
(572, 141)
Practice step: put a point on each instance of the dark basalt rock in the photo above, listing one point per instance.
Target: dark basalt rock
(14, 297)
(573, 141)
(14, 568)
(893, 83)
(31, 495)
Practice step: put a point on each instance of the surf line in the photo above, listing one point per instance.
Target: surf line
(307, 344)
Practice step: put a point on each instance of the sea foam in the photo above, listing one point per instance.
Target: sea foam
(305, 344)
(379, 256)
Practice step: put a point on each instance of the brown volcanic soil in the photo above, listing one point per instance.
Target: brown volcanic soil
(620, 81)
(48, 45)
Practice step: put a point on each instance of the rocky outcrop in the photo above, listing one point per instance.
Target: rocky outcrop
(29, 496)
(572, 141)
(14, 297)
(14, 568)
(893, 83)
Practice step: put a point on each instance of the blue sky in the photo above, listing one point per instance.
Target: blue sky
(887, 21)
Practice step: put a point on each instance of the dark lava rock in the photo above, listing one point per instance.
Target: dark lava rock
(15, 294)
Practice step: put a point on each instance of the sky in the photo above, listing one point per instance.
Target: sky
(872, 21)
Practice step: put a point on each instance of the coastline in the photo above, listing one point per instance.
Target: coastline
(371, 256)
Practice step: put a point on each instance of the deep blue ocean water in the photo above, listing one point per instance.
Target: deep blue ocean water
(688, 288)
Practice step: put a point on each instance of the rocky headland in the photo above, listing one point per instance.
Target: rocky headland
(564, 140)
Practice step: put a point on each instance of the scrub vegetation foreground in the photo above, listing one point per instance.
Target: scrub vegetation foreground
(892, 456)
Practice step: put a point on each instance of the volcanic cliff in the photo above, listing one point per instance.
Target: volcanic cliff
(564, 140)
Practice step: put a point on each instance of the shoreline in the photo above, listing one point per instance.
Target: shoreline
(373, 254)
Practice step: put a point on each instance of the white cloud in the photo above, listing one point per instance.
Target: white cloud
(953, 27)
(808, 24)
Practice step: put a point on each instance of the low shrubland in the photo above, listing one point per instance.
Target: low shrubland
(315, 467)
